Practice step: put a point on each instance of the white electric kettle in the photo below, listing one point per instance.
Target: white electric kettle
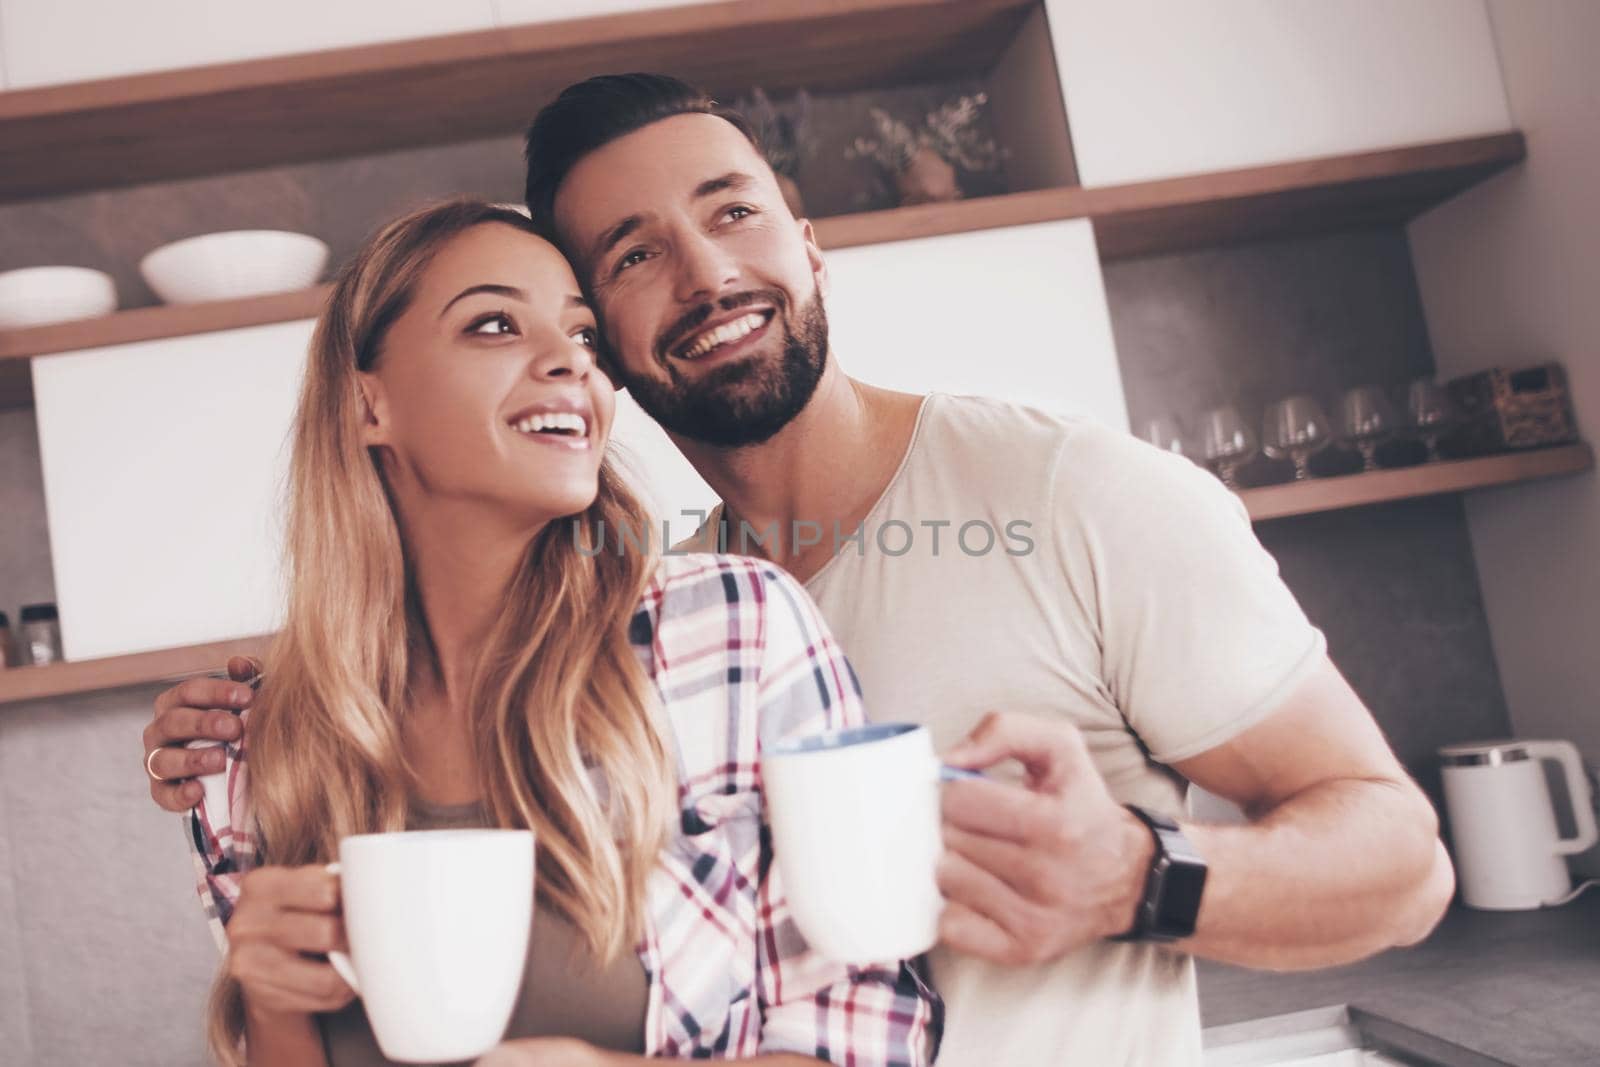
(1509, 855)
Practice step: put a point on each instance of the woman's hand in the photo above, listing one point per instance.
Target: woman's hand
(552, 1052)
(282, 914)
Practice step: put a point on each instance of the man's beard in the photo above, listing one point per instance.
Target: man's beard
(747, 402)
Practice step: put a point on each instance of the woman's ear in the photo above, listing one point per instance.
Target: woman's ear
(374, 409)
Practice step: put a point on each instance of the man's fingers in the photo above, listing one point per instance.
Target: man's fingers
(181, 725)
(243, 668)
(968, 931)
(204, 693)
(1051, 752)
(176, 763)
(1018, 866)
(176, 797)
(996, 809)
(964, 883)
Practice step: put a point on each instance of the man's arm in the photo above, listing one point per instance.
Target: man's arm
(1341, 857)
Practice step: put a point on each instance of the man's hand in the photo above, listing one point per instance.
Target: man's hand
(284, 914)
(1031, 873)
(194, 711)
(550, 1052)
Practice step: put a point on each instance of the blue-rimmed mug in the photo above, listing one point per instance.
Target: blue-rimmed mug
(855, 828)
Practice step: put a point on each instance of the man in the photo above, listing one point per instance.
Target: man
(1129, 635)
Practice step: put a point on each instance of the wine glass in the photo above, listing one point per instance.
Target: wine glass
(1295, 427)
(1367, 421)
(1432, 412)
(1164, 432)
(1226, 442)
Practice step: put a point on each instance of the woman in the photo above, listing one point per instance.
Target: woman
(455, 652)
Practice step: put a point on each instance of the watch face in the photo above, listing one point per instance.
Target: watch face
(1179, 904)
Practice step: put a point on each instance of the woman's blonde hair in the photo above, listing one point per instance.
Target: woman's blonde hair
(562, 713)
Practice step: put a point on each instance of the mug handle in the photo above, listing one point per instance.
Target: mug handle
(340, 961)
(1566, 754)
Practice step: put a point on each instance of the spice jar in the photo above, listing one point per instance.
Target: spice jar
(40, 634)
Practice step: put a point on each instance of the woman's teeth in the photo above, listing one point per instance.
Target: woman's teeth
(727, 333)
(562, 422)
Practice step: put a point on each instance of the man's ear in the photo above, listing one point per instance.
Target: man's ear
(819, 265)
(374, 409)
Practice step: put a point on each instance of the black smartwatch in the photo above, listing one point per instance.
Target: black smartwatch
(1172, 889)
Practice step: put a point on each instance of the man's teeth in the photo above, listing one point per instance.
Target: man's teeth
(554, 421)
(727, 333)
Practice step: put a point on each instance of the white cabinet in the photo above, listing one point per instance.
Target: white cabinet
(164, 463)
(1017, 313)
(1159, 88)
(48, 42)
(516, 12)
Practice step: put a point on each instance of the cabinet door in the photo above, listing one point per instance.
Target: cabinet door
(164, 463)
(1018, 314)
(1158, 88)
(52, 41)
(515, 12)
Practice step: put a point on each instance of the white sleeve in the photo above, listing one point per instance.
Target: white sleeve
(1200, 638)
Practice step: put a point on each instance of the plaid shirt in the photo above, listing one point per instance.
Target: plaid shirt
(738, 653)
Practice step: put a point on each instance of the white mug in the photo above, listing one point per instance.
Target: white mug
(855, 830)
(438, 924)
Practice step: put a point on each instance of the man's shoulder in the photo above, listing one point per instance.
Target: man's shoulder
(1071, 463)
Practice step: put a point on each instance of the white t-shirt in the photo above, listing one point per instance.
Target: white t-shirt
(1125, 592)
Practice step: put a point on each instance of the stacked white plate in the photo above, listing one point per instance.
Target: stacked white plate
(35, 296)
(234, 264)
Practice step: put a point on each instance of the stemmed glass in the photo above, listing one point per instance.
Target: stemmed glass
(1296, 428)
(1165, 433)
(1226, 442)
(1367, 421)
(1432, 412)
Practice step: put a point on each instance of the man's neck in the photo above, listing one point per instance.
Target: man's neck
(821, 473)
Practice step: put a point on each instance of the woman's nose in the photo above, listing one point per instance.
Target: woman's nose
(563, 357)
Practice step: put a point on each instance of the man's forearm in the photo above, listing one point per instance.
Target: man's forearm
(1332, 875)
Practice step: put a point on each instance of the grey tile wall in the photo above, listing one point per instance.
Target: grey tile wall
(1394, 586)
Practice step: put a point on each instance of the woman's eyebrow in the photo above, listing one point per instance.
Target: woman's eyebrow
(498, 290)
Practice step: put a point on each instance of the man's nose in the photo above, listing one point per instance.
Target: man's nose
(704, 269)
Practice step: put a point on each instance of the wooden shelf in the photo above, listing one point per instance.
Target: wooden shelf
(170, 664)
(1431, 479)
(1273, 502)
(356, 101)
(1368, 188)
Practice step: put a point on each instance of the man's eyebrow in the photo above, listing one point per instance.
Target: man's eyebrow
(576, 301)
(614, 236)
(734, 179)
(498, 290)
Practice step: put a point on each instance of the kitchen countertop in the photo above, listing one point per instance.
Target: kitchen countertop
(1523, 987)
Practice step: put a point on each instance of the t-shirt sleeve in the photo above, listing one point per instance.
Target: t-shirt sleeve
(1199, 636)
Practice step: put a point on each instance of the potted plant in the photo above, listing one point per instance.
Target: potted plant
(786, 139)
(923, 161)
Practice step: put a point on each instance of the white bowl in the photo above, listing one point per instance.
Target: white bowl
(234, 264)
(35, 296)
